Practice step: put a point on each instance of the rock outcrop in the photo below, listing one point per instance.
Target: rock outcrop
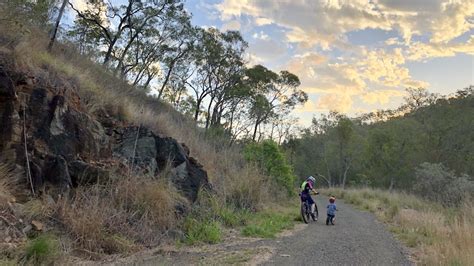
(64, 142)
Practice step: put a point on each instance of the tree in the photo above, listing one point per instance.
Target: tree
(272, 94)
(56, 25)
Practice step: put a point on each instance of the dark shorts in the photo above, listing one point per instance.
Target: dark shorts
(306, 197)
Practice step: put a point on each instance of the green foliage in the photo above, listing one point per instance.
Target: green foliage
(384, 149)
(267, 224)
(437, 183)
(42, 250)
(272, 160)
(202, 231)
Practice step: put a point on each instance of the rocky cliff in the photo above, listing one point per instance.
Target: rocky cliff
(46, 130)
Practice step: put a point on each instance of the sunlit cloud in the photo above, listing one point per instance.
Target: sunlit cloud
(381, 96)
(334, 70)
(335, 102)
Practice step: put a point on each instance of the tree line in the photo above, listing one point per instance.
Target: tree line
(153, 45)
(426, 142)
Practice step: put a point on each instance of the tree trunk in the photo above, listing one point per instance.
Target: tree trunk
(344, 177)
(56, 25)
(255, 130)
(198, 106)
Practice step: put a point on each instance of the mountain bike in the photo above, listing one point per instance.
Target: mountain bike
(306, 211)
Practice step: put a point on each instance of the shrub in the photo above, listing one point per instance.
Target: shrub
(42, 250)
(271, 159)
(436, 182)
(202, 231)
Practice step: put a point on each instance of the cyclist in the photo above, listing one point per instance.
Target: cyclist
(306, 187)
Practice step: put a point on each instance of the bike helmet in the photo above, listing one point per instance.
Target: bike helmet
(312, 179)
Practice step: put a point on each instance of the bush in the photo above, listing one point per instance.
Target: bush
(267, 225)
(436, 182)
(42, 250)
(271, 159)
(202, 231)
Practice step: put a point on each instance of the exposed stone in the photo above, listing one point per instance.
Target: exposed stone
(137, 145)
(83, 173)
(57, 173)
(169, 150)
(27, 229)
(7, 89)
(37, 225)
(62, 138)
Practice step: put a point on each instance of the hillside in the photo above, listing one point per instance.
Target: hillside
(93, 164)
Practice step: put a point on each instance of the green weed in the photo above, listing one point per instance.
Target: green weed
(197, 231)
(42, 250)
(267, 225)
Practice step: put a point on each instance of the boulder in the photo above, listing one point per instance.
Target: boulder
(169, 150)
(83, 173)
(137, 145)
(153, 153)
(56, 172)
(7, 89)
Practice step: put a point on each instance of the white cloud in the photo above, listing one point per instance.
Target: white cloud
(231, 25)
(261, 35)
(263, 21)
(325, 22)
(425, 28)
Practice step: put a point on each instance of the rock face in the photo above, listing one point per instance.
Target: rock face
(153, 155)
(63, 141)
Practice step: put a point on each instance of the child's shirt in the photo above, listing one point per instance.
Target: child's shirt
(332, 208)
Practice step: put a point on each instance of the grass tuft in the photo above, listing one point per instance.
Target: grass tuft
(267, 224)
(42, 250)
(198, 231)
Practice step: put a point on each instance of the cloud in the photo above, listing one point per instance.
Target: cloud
(263, 21)
(338, 71)
(421, 51)
(381, 96)
(376, 76)
(231, 25)
(308, 107)
(261, 35)
(335, 102)
(267, 49)
(325, 22)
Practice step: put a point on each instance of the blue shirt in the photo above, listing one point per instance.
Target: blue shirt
(332, 208)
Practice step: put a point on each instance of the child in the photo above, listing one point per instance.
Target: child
(331, 211)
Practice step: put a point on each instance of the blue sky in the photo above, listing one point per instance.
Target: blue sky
(353, 56)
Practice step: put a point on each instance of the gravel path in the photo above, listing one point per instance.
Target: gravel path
(356, 239)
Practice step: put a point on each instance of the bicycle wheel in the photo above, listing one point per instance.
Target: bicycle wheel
(304, 212)
(315, 215)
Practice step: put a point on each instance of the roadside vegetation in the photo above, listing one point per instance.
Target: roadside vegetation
(437, 235)
(130, 212)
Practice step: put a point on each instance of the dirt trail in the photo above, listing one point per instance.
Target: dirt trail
(356, 239)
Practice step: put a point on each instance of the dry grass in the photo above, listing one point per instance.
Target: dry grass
(438, 236)
(9, 180)
(101, 91)
(121, 216)
(129, 212)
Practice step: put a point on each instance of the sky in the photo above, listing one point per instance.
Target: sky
(353, 56)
